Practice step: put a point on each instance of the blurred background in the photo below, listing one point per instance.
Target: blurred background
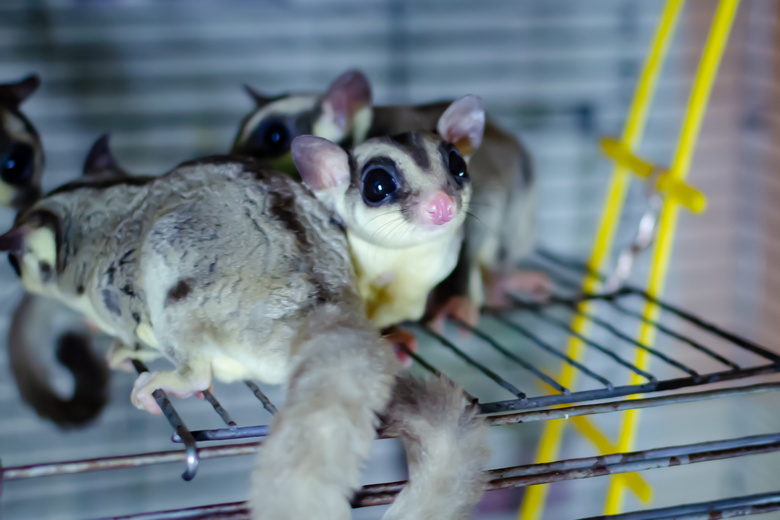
(165, 79)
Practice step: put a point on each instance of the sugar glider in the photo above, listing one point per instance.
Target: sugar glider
(21, 152)
(403, 199)
(234, 272)
(21, 165)
(501, 229)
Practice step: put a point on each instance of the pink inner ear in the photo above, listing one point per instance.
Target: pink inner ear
(463, 124)
(349, 93)
(321, 163)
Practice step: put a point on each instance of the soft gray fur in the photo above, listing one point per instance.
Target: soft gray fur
(502, 227)
(445, 445)
(238, 273)
(256, 293)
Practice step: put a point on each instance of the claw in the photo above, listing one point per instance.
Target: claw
(119, 357)
(402, 340)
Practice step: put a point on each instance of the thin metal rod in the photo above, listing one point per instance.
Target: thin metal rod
(532, 416)
(217, 408)
(619, 391)
(468, 359)
(267, 404)
(669, 453)
(536, 340)
(124, 461)
(379, 494)
(433, 370)
(698, 346)
(233, 510)
(514, 357)
(228, 434)
(503, 478)
(190, 448)
(727, 508)
(625, 337)
(566, 327)
(419, 359)
(579, 267)
(709, 327)
(629, 404)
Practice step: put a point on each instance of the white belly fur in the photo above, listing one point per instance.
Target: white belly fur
(395, 283)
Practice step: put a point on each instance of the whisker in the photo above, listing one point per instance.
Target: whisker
(491, 230)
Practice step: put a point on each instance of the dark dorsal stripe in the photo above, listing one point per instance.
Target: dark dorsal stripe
(282, 205)
(101, 183)
(413, 144)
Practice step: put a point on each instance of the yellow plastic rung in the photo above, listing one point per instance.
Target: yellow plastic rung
(702, 86)
(550, 444)
(674, 189)
(633, 481)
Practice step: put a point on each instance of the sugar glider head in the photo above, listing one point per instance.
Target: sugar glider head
(33, 247)
(34, 244)
(21, 153)
(343, 111)
(398, 191)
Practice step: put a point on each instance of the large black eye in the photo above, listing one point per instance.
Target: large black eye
(458, 167)
(16, 166)
(272, 138)
(378, 185)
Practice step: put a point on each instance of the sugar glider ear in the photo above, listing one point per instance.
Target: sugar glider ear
(13, 241)
(14, 94)
(323, 165)
(260, 98)
(346, 97)
(100, 160)
(463, 124)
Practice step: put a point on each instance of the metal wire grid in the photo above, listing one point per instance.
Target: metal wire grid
(734, 358)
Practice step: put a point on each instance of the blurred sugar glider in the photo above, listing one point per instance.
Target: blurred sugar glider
(403, 200)
(503, 205)
(21, 164)
(234, 272)
(21, 153)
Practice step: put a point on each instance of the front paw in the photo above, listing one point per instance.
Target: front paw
(170, 382)
(461, 308)
(533, 283)
(402, 342)
(142, 397)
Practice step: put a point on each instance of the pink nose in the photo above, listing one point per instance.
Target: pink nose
(440, 208)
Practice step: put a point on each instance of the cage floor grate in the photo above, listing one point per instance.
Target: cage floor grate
(508, 363)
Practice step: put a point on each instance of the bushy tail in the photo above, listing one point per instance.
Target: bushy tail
(74, 351)
(341, 378)
(446, 449)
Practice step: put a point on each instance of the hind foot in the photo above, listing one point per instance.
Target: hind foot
(461, 308)
(172, 383)
(534, 283)
(401, 341)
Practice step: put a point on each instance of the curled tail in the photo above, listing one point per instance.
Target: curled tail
(446, 449)
(90, 372)
(340, 380)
